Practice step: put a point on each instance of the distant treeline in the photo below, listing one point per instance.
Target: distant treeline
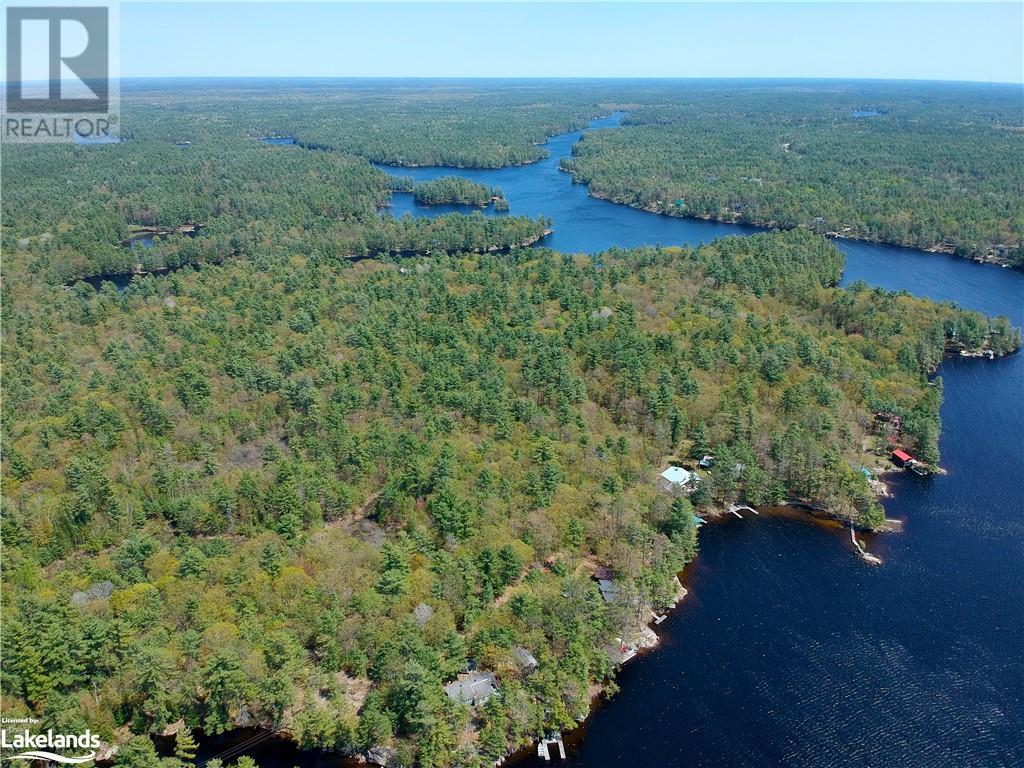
(929, 166)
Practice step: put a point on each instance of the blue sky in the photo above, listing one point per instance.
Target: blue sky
(918, 40)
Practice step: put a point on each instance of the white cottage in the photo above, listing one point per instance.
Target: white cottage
(676, 479)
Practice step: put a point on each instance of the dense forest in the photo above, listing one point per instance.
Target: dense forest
(935, 167)
(307, 495)
(335, 458)
(68, 209)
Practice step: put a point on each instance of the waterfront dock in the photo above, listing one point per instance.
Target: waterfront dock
(737, 508)
(546, 746)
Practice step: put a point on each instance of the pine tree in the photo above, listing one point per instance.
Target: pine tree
(493, 736)
(185, 745)
(701, 446)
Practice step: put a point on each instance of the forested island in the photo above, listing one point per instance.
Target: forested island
(332, 460)
(454, 189)
(941, 169)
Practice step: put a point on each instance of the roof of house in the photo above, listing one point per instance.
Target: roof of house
(609, 590)
(677, 475)
(902, 455)
(472, 688)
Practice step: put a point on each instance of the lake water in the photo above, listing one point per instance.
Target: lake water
(582, 224)
(789, 650)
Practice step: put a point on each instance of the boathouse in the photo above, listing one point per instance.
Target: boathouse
(902, 459)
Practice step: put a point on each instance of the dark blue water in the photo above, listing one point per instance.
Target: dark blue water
(790, 651)
(585, 224)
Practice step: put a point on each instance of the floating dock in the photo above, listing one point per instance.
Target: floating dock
(546, 746)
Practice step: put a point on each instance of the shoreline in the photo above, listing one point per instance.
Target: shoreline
(938, 248)
(599, 695)
(138, 271)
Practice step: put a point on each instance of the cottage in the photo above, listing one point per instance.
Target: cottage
(889, 423)
(903, 459)
(676, 478)
(472, 688)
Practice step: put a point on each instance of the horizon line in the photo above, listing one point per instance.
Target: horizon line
(818, 78)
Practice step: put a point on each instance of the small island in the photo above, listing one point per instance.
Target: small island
(458, 191)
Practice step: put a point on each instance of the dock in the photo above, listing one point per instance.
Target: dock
(545, 747)
(737, 508)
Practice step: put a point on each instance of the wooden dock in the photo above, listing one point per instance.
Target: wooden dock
(737, 508)
(545, 747)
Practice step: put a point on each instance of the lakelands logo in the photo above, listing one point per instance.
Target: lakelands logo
(42, 746)
(60, 65)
